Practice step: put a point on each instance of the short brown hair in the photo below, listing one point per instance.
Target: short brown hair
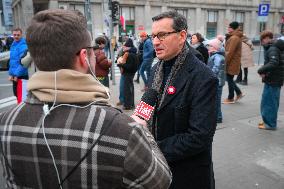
(265, 34)
(17, 29)
(55, 36)
(199, 37)
(100, 40)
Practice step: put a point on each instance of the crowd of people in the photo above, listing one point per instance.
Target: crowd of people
(72, 137)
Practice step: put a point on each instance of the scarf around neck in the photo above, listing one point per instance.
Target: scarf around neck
(71, 87)
(159, 75)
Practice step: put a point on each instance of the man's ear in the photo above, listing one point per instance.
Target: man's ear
(80, 62)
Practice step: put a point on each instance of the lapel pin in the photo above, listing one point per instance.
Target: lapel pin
(171, 90)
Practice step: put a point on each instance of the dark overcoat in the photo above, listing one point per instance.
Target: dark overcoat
(185, 124)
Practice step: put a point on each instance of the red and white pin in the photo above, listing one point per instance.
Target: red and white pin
(171, 90)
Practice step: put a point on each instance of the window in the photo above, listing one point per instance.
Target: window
(181, 11)
(212, 16)
(128, 13)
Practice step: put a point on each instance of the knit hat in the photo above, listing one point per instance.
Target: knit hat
(143, 34)
(234, 25)
(215, 43)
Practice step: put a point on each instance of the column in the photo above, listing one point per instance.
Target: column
(254, 24)
(221, 29)
(27, 8)
(148, 18)
(247, 23)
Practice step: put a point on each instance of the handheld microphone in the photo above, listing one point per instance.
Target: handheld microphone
(145, 107)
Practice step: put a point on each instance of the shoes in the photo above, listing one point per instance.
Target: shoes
(238, 97)
(119, 103)
(228, 101)
(261, 125)
(243, 82)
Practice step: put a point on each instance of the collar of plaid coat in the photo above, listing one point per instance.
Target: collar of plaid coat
(67, 86)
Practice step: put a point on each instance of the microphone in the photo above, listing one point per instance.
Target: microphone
(145, 107)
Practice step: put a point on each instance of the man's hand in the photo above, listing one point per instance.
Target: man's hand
(139, 120)
(15, 79)
(10, 78)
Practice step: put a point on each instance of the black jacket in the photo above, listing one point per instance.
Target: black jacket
(273, 67)
(204, 52)
(131, 65)
(185, 125)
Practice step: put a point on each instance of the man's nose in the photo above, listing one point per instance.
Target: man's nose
(156, 41)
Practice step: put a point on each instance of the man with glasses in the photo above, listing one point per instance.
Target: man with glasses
(66, 134)
(17, 51)
(184, 121)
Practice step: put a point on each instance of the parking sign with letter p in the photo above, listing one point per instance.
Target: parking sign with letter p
(263, 9)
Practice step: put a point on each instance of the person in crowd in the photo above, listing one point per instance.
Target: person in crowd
(18, 50)
(70, 137)
(9, 41)
(196, 42)
(246, 60)
(222, 39)
(148, 57)
(216, 63)
(140, 58)
(184, 120)
(102, 63)
(272, 74)
(106, 45)
(122, 78)
(233, 50)
(128, 63)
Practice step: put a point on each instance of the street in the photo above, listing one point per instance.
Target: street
(244, 157)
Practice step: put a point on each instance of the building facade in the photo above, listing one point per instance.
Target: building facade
(208, 17)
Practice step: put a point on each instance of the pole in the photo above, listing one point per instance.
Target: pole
(88, 16)
(112, 46)
(259, 44)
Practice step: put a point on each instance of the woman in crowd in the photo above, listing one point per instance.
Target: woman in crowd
(196, 42)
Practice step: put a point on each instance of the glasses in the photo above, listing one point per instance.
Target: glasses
(16, 35)
(162, 35)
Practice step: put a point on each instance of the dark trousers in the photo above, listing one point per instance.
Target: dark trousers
(232, 87)
(240, 76)
(15, 84)
(128, 91)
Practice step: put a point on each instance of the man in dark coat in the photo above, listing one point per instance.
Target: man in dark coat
(184, 120)
(272, 73)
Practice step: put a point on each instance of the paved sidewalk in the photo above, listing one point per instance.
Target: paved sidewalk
(244, 156)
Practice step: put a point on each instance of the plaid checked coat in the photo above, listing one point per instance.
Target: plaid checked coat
(125, 157)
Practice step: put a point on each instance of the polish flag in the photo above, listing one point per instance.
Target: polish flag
(21, 90)
(122, 21)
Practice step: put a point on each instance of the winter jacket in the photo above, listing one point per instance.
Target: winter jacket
(247, 53)
(126, 156)
(102, 64)
(185, 125)
(204, 52)
(233, 52)
(216, 63)
(148, 52)
(273, 67)
(17, 51)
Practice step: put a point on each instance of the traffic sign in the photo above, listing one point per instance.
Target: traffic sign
(263, 9)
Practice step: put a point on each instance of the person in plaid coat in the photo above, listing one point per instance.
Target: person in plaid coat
(66, 134)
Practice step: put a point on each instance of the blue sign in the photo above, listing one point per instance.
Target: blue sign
(263, 9)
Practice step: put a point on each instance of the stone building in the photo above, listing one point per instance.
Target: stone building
(209, 17)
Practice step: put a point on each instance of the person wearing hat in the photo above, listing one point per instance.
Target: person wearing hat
(148, 57)
(233, 48)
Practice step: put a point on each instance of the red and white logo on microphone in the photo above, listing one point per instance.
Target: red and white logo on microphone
(144, 110)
